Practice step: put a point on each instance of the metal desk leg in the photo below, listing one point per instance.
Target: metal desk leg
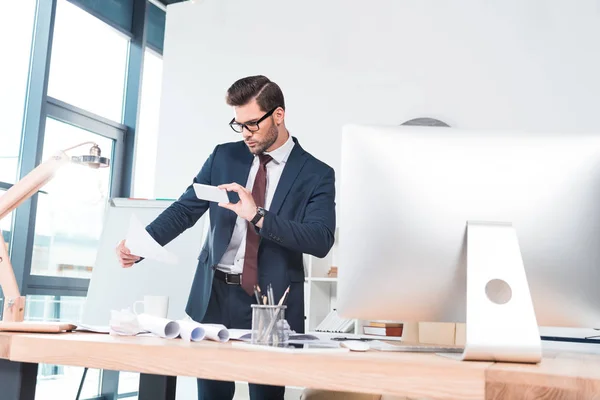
(109, 389)
(157, 387)
(17, 380)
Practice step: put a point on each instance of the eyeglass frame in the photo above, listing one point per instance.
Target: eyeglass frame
(267, 115)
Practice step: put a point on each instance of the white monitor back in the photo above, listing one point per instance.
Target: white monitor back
(408, 192)
(114, 288)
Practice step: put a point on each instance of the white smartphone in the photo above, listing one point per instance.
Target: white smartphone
(211, 193)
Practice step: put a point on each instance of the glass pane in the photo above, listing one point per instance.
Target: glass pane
(16, 25)
(54, 308)
(129, 382)
(147, 132)
(88, 64)
(6, 225)
(57, 381)
(70, 215)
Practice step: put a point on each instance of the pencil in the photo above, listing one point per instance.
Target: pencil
(284, 296)
(256, 290)
(270, 294)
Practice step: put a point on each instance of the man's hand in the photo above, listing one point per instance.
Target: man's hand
(246, 207)
(124, 255)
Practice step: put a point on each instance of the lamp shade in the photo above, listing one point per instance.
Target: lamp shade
(92, 160)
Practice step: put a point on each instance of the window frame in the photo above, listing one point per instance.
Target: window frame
(38, 107)
(69, 114)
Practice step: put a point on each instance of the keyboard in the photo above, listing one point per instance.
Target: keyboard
(415, 348)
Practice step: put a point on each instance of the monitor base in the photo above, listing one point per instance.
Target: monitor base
(500, 322)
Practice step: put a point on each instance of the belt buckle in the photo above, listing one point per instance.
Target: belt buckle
(227, 281)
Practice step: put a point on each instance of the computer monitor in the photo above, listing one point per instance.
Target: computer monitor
(417, 203)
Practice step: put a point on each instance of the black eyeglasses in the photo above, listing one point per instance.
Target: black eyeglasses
(250, 126)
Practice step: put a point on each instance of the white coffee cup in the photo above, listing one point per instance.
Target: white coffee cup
(157, 306)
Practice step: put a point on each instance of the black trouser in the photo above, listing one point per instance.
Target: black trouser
(230, 305)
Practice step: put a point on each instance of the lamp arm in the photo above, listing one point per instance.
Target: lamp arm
(79, 145)
(31, 183)
(14, 303)
(7, 274)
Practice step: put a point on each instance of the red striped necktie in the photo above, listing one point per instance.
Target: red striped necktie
(250, 271)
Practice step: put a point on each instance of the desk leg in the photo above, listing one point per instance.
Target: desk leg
(157, 387)
(17, 380)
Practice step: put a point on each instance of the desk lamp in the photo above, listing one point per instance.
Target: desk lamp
(14, 303)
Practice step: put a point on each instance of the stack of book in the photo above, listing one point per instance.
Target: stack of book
(383, 329)
(334, 323)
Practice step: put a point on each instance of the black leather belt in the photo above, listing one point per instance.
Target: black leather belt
(230, 279)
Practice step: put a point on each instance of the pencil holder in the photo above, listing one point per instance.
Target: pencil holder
(268, 325)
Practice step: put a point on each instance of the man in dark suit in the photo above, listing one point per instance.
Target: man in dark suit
(282, 204)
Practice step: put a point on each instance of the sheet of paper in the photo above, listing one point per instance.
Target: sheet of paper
(140, 243)
(191, 330)
(246, 335)
(210, 193)
(303, 337)
(162, 327)
(123, 322)
(240, 334)
(216, 332)
(93, 328)
(315, 343)
(305, 348)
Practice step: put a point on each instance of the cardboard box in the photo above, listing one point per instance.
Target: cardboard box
(461, 335)
(410, 332)
(441, 333)
(434, 333)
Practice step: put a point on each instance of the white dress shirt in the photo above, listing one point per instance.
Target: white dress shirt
(232, 261)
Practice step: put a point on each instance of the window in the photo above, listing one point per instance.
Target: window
(6, 229)
(57, 381)
(88, 64)
(6, 225)
(129, 382)
(6, 232)
(16, 25)
(54, 308)
(70, 213)
(62, 382)
(147, 132)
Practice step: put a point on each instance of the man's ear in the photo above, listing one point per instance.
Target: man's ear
(278, 116)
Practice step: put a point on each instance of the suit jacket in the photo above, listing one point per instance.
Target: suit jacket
(301, 219)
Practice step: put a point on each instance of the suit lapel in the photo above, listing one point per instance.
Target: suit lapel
(239, 174)
(243, 163)
(291, 170)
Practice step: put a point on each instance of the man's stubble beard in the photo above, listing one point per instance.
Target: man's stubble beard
(269, 140)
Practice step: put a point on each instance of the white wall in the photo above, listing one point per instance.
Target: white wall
(474, 64)
(506, 64)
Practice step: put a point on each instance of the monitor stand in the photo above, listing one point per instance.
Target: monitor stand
(500, 320)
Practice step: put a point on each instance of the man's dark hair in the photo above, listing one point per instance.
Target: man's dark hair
(268, 94)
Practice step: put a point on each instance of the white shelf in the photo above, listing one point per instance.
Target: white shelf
(320, 290)
(320, 299)
(322, 279)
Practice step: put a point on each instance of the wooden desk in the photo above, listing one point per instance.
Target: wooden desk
(4, 346)
(560, 376)
(404, 374)
(17, 380)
